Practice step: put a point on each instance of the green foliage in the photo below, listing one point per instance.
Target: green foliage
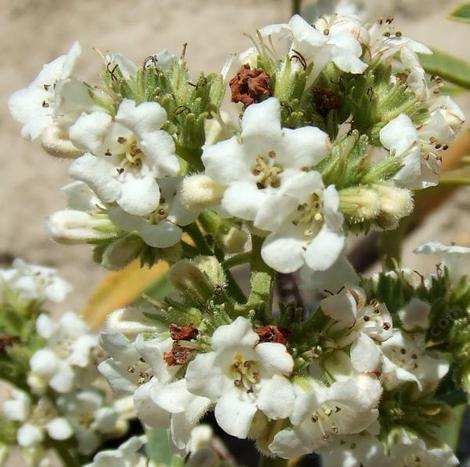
(461, 13)
(448, 67)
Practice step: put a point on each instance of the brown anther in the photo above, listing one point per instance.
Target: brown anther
(45, 104)
(250, 85)
(386, 326)
(121, 140)
(326, 31)
(183, 333)
(46, 87)
(119, 170)
(108, 153)
(398, 34)
(445, 147)
(325, 100)
(387, 34)
(366, 318)
(177, 356)
(272, 333)
(8, 341)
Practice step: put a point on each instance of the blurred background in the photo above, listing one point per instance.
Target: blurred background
(33, 32)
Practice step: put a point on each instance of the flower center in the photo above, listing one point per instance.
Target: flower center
(86, 419)
(310, 215)
(161, 213)
(63, 347)
(42, 413)
(140, 370)
(266, 171)
(324, 418)
(245, 373)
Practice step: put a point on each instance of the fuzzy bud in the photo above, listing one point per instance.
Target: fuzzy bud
(57, 143)
(234, 240)
(359, 203)
(200, 192)
(70, 227)
(395, 203)
(191, 281)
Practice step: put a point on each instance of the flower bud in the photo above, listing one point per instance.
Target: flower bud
(200, 191)
(119, 253)
(191, 281)
(70, 226)
(234, 240)
(211, 268)
(359, 203)
(395, 203)
(56, 142)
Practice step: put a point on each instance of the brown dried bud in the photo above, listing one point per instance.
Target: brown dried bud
(183, 333)
(177, 356)
(8, 341)
(272, 333)
(325, 100)
(249, 86)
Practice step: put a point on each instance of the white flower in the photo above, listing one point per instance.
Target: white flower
(321, 413)
(305, 224)
(34, 282)
(405, 359)
(139, 368)
(340, 274)
(125, 155)
(420, 148)
(69, 346)
(35, 419)
(127, 455)
(358, 450)
(255, 165)
(333, 39)
(160, 228)
(354, 317)
(408, 450)
(241, 376)
(455, 258)
(35, 105)
(89, 417)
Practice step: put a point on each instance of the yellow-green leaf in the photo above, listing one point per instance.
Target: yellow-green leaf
(120, 288)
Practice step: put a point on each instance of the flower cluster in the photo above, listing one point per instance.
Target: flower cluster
(57, 393)
(337, 124)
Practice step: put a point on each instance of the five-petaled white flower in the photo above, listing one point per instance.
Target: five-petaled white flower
(406, 359)
(35, 106)
(334, 39)
(125, 155)
(321, 413)
(69, 346)
(241, 376)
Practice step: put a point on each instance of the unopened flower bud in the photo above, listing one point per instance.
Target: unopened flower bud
(211, 268)
(70, 226)
(191, 281)
(234, 240)
(359, 203)
(56, 142)
(395, 203)
(121, 252)
(200, 192)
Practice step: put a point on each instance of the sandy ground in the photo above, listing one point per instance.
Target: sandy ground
(33, 32)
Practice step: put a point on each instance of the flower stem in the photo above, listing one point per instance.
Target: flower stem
(296, 7)
(68, 457)
(236, 260)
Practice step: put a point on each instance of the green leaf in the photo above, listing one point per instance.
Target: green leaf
(461, 13)
(159, 448)
(448, 67)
